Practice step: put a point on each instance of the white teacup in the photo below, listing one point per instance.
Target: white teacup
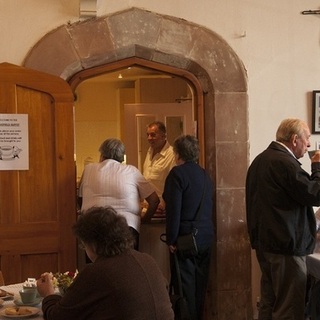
(28, 296)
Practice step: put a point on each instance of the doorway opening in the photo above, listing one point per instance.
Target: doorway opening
(120, 100)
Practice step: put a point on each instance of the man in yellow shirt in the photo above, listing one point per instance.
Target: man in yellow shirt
(160, 158)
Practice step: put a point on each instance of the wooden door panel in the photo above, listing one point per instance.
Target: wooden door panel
(34, 264)
(41, 118)
(35, 188)
(7, 97)
(37, 206)
(9, 183)
(32, 238)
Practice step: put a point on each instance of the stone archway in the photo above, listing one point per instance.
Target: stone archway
(170, 41)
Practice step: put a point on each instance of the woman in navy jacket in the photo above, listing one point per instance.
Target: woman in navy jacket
(186, 186)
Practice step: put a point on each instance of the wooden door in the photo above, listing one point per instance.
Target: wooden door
(37, 205)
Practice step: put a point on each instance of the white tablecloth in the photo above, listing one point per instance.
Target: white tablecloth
(14, 288)
(313, 265)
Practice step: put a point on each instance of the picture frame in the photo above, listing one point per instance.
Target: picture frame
(316, 112)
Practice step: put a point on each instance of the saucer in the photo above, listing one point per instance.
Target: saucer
(18, 302)
(7, 297)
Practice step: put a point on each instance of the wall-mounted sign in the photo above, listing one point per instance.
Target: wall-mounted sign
(14, 142)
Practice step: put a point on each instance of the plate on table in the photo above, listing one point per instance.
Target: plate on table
(4, 295)
(18, 302)
(32, 311)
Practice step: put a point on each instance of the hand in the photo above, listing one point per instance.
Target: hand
(161, 207)
(45, 285)
(172, 248)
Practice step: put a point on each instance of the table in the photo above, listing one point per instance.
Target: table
(14, 288)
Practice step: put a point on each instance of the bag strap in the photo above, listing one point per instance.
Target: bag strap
(197, 216)
(178, 274)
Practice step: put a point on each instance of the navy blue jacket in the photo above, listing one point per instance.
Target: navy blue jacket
(279, 200)
(182, 194)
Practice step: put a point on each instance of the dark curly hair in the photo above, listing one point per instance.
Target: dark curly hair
(105, 229)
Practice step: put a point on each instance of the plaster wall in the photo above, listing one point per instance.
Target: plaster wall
(278, 46)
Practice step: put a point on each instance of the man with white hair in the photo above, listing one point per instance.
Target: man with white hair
(280, 218)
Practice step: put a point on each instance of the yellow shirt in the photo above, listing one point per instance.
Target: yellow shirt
(157, 168)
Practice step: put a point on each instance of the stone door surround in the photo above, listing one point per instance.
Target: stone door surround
(201, 53)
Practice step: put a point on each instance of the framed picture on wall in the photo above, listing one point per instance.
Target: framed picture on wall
(316, 112)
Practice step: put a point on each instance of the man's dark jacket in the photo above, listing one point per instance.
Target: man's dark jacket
(279, 200)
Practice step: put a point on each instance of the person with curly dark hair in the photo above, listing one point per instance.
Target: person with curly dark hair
(121, 283)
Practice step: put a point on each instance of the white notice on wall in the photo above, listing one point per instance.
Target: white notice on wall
(14, 142)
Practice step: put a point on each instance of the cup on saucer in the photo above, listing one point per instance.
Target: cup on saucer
(33, 288)
(28, 296)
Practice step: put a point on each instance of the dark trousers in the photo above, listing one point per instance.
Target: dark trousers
(283, 286)
(194, 278)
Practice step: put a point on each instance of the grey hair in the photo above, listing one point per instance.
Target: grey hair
(187, 147)
(289, 127)
(112, 149)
